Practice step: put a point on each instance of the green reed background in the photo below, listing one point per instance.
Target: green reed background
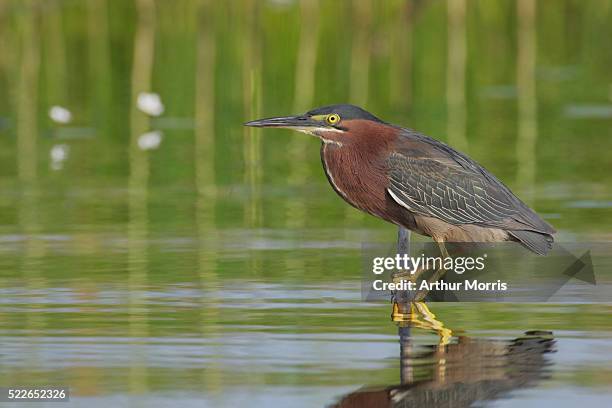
(499, 80)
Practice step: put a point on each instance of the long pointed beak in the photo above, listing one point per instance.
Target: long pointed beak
(290, 122)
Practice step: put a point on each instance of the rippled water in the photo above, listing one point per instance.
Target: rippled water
(118, 333)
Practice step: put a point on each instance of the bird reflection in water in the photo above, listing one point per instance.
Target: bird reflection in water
(460, 372)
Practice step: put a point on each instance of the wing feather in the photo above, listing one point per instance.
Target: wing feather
(456, 191)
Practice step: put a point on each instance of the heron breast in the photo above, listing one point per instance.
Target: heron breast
(359, 182)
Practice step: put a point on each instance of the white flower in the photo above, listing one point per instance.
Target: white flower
(150, 140)
(59, 114)
(150, 103)
(59, 154)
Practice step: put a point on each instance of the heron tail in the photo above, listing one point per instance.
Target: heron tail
(538, 242)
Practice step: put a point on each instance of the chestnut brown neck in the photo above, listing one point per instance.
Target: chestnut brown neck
(355, 164)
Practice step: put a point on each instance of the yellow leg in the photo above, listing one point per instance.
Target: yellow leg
(403, 313)
(418, 315)
(402, 305)
(437, 274)
(433, 323)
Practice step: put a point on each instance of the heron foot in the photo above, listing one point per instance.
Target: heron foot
(402, 312)
(417, 314)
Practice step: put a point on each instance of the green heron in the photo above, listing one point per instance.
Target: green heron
(414, 181)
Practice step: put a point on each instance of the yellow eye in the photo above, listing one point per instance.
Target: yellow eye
(333, 118)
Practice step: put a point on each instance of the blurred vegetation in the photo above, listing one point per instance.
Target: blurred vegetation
(497, 79)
